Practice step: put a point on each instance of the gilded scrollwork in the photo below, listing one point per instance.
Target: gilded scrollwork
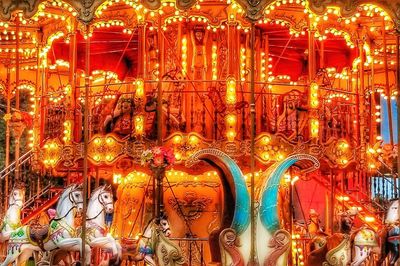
(339, 255)
(348, 8)
(151, 4)
(185, 4)
(29, 7)
(279, 244)
(129, 20)
(297, 23)
(269, 148)
(68, 156)
(229, 243)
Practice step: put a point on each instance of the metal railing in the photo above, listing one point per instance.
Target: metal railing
(26, 157)
(194, 250)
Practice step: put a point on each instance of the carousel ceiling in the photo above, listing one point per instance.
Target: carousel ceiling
(253, 9)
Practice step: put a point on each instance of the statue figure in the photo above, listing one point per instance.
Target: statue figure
(314, 223)
(121, 119)
(199, 61)
(152, 55)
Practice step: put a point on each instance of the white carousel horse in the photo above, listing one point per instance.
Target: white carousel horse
(363, 244)
(12, 219)
(61, 233)
(391, 235)
(101, 202)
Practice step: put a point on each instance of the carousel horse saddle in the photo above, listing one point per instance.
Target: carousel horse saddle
(38, 233)
(129, 241)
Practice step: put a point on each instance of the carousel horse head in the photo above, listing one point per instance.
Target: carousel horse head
(314, 216)
(392, 215)
(17, 195)
(347, 220)
(163, 225)
(71, 198)
(104, 196)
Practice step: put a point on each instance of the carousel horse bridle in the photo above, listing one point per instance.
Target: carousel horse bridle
(74, 205)
(15, 200)
(104, 204)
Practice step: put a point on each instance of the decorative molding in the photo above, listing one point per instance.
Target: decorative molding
(339, 255)
(269, 149)
(348, 8)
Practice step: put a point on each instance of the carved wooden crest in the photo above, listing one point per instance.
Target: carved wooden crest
(191, 206)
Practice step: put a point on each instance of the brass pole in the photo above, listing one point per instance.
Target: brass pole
(322, 55)
(373, 102)
(17, 138)
(398, 114)
(157, 183)
(72, 80)
(7, 162)
(311, 55)
(332, 198)
(36, 123)
(85, 145)
(253, 258)
(387, 89)
(360, 107)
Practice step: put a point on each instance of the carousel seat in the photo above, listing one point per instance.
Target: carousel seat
(38, 233)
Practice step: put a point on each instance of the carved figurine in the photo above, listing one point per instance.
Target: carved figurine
(121, 120)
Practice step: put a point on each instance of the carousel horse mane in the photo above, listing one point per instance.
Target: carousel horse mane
(65, 194)
(346, 224)
(18, 186)
(162, 217)
(156, 222)
(100, 189)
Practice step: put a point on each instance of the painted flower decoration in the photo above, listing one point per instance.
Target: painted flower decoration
(158, 157)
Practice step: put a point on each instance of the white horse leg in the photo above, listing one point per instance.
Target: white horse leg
(24, 257)
(107, 242)
(75, 244)
(11, 258)
(4, 236)
(360, 256)
(119, 249)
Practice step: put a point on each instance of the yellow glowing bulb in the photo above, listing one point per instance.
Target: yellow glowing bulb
(193, 140)
(231, 119)
(177, 139)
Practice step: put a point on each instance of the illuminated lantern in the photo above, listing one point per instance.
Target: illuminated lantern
(314, 127)
(139, 89)
(139, 124)
(231, 91)
(314, 102)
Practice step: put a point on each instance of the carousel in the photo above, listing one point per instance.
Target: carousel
(199, 132)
